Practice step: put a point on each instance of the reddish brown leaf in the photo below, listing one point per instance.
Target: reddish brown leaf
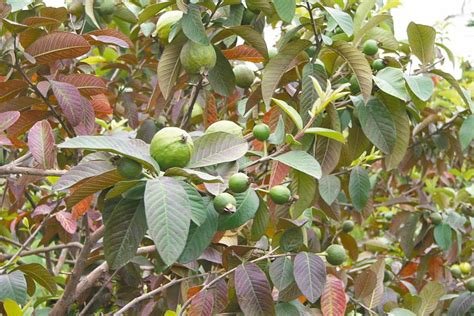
(279, 173)
(310, 275)
(87, 84)
(37, 21)
(69, 99)
(59, 14)
(26, 121)
(82, 207)
(67, 221)
(244, 53)
(253, 290)
(86, 125)
(7, 119)
(108, 36)
(42, 144)
(4, 140)
(210, 112)
(19, 104)
(333, 300)
(29, 37)
(58, 45)
(365, 284)
(10, 89)
(101, 106)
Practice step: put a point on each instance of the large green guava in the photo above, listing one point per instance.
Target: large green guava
(171, 147)
(196, 58)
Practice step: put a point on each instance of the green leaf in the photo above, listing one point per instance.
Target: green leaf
(247, 206)
(41, 275)
(401, 312)
(261, 220)
(168, 215)
(442, 235)
(281, 272)
(466, 133)
(402, 125)
(221, 77)
(301, 161)
(390, 80)
(135, 149)
(290, 111)
(84, 170)
(278, 65)
(329, 188)
(453, 82)
(89, 10)
(369, 26)
(377, 124)
(124, 230)
(215, 148)
(194, 176)
(278, 136)
(359, 65)
(198, 208)
(421, 86)
(263, 5)
(343, 19)
(199, 237)
(385, 37)
(362, 12)
(285, 9)
(430, 295)
(248, 33)
(308, 93)
(359, 187)
(151, 10)
(422, 40)
(326, 132)
(328, 151)
(305, 187)
(169, 65)
(13, 286)
(192, 26)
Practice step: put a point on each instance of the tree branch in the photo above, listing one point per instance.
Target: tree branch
(7, 170)
(41, 250)
(68, 296)
(194, 95)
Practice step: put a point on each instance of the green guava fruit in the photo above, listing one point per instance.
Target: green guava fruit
(378, 64)
(224, 203)
(129, 168)
(470, 285)
(336, 254)
(171, 147)
(196, 58)
(455, 271)
(280, 194)
(224, 126)
(347, 226)
(239, 182)
(165, 24)
(436, 218)
(261, 131)
(76, 8)
(147, 130)
(244, 76)
(465, 268)
(355, 87)
(106, 7)
(370, 47)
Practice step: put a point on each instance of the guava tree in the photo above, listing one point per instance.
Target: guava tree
(167, 157)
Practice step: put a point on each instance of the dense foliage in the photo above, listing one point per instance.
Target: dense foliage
(162, 157)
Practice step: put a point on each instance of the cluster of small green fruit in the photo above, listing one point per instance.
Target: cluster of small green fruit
(463, 270)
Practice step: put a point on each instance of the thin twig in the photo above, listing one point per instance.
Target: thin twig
(97, 294)
(194, 96)
(26, 253)
(7, 170)
(27, 242)
(150, 294)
